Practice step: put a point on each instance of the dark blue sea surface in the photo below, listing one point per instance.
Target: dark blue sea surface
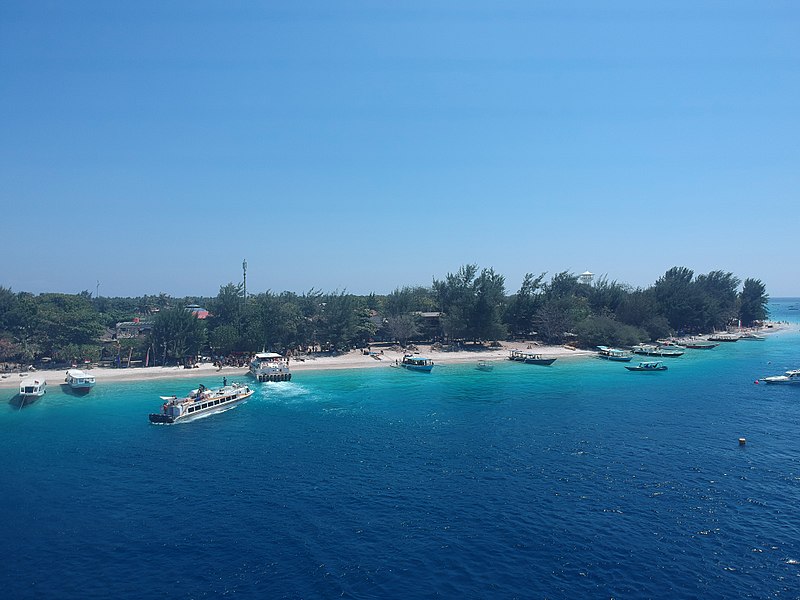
(579, 480)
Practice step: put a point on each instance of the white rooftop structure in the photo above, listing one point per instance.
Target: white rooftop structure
(586, 277)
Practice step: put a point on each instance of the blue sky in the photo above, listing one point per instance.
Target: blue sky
(368, 145)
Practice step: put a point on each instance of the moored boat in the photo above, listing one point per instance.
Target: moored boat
(752, 337)
(80, 382)
(269, 366)
(789, 378)
(648, 367)
(202, 401)
(31, 389)
(484, 366)
(655, 350)
(700, 345)
(722, 337)
(417, 363)
(531, 358)
(614, 354)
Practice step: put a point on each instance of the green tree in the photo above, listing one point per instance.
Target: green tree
(522, 307)
(718, 299)
(177, 334)
(753, 301)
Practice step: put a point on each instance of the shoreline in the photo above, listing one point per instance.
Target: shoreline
(354, 359)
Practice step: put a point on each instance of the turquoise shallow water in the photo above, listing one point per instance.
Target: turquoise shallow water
(576, 480)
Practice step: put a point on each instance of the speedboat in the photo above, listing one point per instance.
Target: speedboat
(614, 354)
(648, 367)
(484, 365)
(31, 389)
(417, 363)
(79, 381)
(202, 401)
(789, 378)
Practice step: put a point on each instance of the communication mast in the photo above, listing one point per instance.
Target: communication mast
(244, 279)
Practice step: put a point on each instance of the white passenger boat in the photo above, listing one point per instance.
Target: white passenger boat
(789, 378)
(202, 401)
(269, 366)
(31, 389)
(79, 381)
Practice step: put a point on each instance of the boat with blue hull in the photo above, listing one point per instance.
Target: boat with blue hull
(647, 367)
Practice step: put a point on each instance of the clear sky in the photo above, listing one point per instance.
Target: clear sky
(151, 146)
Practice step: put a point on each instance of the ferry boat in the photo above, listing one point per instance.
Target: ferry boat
(31, 389)
(202, 401)
(530, 358)
(79, 381)
(614, 354)
(417, 363)
(648, 367)
(269, 366)
(788, 378)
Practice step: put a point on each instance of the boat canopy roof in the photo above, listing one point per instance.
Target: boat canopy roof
(263, 355)
(77, 374)
(29, 381)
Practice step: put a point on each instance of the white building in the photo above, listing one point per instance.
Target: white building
(586, 277)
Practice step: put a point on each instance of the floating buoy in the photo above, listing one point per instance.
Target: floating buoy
(756, 382)
(742, 441)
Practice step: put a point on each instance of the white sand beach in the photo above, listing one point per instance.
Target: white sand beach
(355, 359)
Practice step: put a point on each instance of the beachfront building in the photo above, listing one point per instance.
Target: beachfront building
(586, 277)
(132, 329)
(198, 311)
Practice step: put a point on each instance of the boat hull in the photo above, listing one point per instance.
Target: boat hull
(419, 368)
(167, 419)
(544, 362)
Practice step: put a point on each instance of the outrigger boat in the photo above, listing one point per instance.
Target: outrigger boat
(201, 401)
(614, 354)
(648, 367)
(654, 350)
(530, 358)
(417, 363)
(700, 345)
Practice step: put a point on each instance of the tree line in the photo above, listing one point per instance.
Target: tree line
(469, 305)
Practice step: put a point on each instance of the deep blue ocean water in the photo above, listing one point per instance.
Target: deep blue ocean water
(579, 480)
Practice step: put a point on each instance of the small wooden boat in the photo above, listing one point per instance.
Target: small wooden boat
(530, 358)
(723, 338)
(648, 367)
(614, 354)
(700, 345)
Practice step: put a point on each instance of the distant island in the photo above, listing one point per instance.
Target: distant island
(470, 306)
